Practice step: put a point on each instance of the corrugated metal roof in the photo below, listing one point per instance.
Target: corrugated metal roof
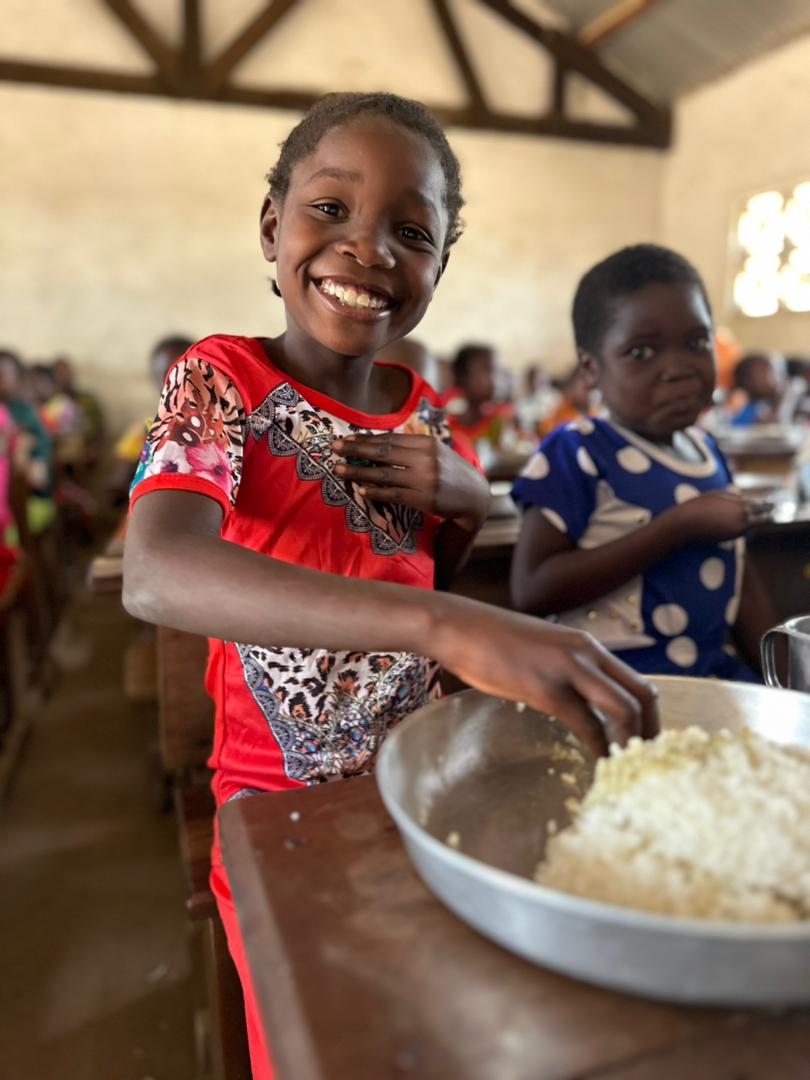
(677, 45)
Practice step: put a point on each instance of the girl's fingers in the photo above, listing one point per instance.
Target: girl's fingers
(393, 449)
(388, 476)
(564, 703)
(758, 509)
(386, 494)
(619, 710)
(642, 691)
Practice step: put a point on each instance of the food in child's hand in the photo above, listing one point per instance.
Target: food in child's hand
(692, 823)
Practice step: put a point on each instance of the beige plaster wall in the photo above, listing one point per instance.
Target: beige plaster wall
(741, 135)
(125, 218)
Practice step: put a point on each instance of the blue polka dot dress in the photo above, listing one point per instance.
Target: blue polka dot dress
(596, 482)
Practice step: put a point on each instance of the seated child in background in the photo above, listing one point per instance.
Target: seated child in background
(472, 408)
(130, 444)
(631, 530)
(9, 551)
(536, 401)
(574, 402)
(759, 387)
(90, 411)
(34, 447)
(419, 358)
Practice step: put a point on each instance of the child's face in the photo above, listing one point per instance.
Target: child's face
(160, 361)
(479, 381)
(655, 368)
(359, 238)
(763, 383)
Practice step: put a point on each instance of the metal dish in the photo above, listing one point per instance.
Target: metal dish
(478, 767)
(762, 440)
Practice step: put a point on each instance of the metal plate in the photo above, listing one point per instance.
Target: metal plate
(479, 767)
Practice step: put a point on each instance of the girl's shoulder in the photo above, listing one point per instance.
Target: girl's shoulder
(242, 360)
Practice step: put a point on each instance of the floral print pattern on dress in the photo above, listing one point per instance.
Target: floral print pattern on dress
(198, 430)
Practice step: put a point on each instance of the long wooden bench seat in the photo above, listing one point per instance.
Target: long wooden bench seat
(186, 728)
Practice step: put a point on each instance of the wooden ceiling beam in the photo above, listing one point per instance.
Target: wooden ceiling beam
(219, 69)
(192, 35)
(144, 34)
(460, 54)
(471, 117)
(196, 80)
(75, 78)
(575, 57)
(611, 21)
(192, 71)
(299, 101)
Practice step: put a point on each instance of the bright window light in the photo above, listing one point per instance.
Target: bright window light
(773, 252)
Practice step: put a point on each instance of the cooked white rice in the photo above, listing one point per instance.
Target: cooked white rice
(713, 826)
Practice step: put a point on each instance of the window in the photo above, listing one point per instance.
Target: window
(773, 238)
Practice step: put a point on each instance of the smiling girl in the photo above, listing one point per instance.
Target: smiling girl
(298, 503)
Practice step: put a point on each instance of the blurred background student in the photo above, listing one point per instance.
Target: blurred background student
(127, 449)
(474, 410)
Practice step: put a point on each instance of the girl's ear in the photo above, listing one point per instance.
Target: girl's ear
(589, 366)
(268, 228)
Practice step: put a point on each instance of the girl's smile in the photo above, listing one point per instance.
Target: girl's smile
(358, 242)
(365, 301)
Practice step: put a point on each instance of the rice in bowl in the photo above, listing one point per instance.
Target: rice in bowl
(692, 823)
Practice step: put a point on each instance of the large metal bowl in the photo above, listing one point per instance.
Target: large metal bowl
(479, 767)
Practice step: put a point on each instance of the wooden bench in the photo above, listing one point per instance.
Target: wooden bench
(186, 728)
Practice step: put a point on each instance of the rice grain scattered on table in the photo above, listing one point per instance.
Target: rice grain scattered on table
(692, 823)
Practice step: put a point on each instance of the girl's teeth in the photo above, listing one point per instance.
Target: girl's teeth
(352, 297)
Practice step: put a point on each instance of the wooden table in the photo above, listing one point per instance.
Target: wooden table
(106, 571)
(361, 974)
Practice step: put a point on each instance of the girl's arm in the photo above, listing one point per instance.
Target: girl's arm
(549, 574)
(755, 615)
(178, 572)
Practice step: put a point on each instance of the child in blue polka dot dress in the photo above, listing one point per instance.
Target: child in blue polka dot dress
(632, 529)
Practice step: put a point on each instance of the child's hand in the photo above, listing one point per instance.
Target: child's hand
(719, 515)
(416, 470)
(564, 672)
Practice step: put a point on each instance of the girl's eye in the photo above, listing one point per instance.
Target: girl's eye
(331, 209)
(411, 232)
(641, 352)
(703, 343)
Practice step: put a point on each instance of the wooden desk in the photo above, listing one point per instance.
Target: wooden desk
(361, 975)
(106, 571)
(780, 550)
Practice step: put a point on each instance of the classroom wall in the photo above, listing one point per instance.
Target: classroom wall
(127, 218)
(743, 134)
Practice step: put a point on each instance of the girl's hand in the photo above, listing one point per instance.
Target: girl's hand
(416, 470)
(719, 515)
(563, 672)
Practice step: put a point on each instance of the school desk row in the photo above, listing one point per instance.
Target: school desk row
(780, 550)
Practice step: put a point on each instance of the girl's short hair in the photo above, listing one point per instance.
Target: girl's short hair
(620, 274)
(333, 110)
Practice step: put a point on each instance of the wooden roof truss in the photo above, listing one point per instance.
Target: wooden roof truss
(184, 72)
